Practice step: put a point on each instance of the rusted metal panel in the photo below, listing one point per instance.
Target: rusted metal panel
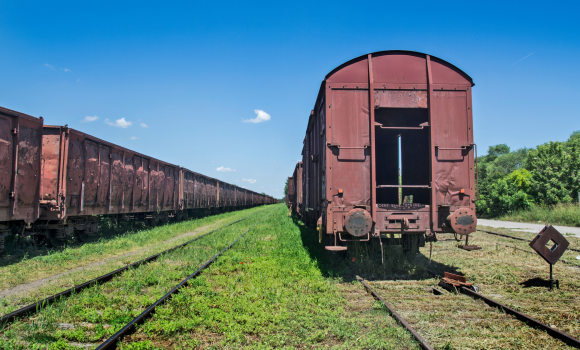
(446, 74)
(28, 173)
(452, 149)
(102, 178)
(20, 165)
(51, 149)
(400, 99)
(74, 170)
(355, 71)
(387, 69)
(105, 173)
(550, 244)
(350, 149)
(91, 173)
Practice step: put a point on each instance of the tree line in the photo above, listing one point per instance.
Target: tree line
(514, 180)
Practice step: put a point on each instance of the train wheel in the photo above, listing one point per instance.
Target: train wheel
(40, 240)
(54, 239)
(82, 236)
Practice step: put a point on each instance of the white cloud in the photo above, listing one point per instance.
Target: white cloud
(144, 125)
(49, 66)
(79, 79)
(250, 181)
(225, 170)
(66, 69)
(262, 117)
(119, 123)
(212, 161)
(134, 138)
(89, 119)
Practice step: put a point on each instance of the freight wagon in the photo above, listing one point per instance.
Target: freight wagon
(55, 181)
(294, 194)
(389, 152)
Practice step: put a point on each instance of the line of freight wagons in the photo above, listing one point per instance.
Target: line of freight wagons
(55, 180)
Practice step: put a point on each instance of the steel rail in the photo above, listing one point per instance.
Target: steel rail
(530, 321)
(129, 328)
(394, 313)
(36, 307)
(525, 318)
(517, 238)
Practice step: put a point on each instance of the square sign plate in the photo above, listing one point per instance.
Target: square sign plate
(550, 244)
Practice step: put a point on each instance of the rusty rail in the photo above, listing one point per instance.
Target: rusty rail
(39, 305)
(129, 328)
(398, 317)
(525, 318)
(532, 322)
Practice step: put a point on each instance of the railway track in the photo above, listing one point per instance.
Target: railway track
(424, 344)
(434, 292)
(130, 327)
(39, 305)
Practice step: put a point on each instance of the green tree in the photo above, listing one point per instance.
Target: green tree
(555, 167)
(497, 150)
(546, 175)
(492, 167)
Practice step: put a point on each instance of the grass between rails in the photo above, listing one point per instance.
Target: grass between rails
(112, 250)
(269, 291)
(561, 214)
(458, 322)
(100, 311)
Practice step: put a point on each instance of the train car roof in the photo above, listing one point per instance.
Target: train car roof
(403, 52)
(19, 114)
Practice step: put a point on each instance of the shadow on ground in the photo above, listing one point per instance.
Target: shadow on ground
(536, 282)
(364, 259)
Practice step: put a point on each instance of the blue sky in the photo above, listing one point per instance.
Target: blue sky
(193, 71)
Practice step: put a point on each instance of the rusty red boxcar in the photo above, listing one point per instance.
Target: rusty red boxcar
(389, 151)
(294, 195)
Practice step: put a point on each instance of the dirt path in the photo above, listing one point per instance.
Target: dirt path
(27, 287)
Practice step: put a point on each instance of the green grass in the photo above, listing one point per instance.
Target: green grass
(100, 311)
(142, 243)
(561, 214)
(512, 277)
(268, 291)
(278, 288)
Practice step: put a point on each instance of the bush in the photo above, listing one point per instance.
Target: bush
(508, 194)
